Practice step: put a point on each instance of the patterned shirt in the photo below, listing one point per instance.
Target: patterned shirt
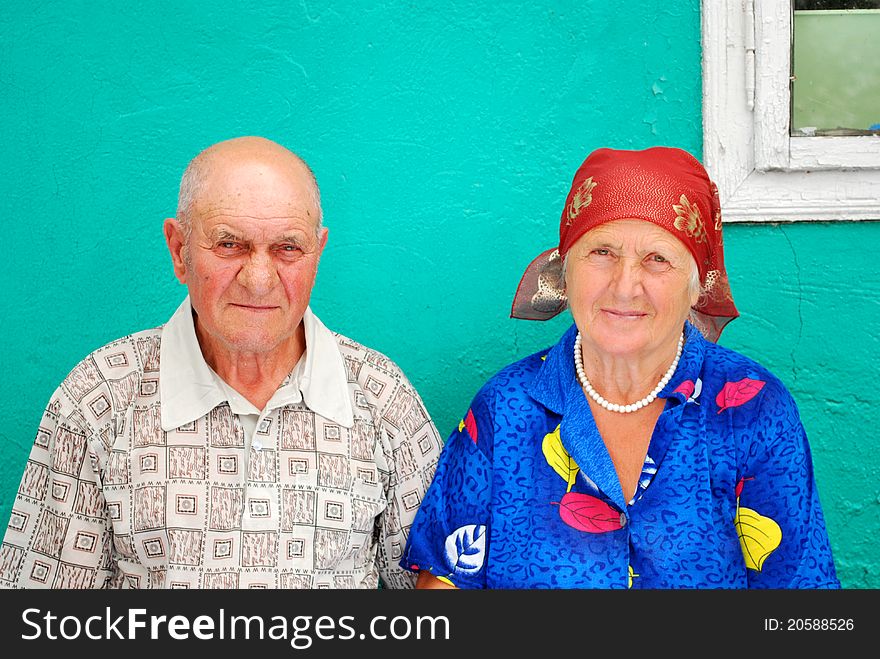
(142, 476)
(527, 496)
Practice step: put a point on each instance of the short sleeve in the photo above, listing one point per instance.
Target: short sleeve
(59, 533)
(414, 447)
(779, 516)
(450, 535)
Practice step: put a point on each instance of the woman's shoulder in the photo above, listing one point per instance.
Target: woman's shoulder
(728, 361)
(513, 380)
(733, 371)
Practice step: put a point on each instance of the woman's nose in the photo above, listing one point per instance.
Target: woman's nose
(627, 280)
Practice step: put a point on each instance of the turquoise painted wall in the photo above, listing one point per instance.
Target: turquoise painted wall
(444, 138)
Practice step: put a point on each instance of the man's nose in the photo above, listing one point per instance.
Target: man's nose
(258, 274)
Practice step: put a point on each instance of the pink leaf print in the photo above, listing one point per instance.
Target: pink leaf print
(470, 425)
(686, 388)
(734, 394)
(587, 513)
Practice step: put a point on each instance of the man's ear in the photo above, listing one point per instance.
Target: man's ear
(176, 241)
(322, 242)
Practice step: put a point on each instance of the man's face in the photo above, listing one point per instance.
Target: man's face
(251, 259)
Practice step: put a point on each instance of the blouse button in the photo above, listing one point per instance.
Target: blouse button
(622, 520)
(257, 444)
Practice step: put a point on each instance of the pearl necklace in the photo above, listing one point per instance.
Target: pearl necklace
(614, 407)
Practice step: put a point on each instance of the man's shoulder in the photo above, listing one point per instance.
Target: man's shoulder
(119, 359)
(381, 383)
(377, 377)
(356, 355)
(118, 352)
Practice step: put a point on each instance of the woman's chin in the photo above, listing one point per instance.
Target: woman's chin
(618, 342)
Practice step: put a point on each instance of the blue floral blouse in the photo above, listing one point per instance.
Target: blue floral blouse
(526, 496)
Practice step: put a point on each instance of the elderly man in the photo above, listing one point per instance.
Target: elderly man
(240, 445)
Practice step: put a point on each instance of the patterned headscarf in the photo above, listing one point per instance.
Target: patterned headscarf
(663, 185)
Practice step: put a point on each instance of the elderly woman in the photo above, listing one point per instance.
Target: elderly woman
(635, 452)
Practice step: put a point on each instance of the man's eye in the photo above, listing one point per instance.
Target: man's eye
(601, 252)
(659, 259)
(289, 249)
(226, 245)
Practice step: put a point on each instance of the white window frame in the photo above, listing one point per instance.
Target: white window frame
(763, 173)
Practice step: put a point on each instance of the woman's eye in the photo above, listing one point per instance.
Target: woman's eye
(658, 263)
(601, 252)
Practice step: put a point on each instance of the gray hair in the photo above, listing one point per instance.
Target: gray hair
(193, 180)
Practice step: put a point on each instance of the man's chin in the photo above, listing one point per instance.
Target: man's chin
(255, 342)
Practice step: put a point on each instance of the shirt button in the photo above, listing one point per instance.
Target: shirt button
(622, 520)
(257, 444)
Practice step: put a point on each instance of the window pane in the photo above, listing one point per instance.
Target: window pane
(836, 67)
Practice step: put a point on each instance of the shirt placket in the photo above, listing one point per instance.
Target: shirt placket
(258, 483)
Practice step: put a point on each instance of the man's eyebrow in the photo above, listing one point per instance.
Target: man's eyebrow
(297, 238)
(224, 234)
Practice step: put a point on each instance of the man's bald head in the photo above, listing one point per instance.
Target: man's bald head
(209, 166)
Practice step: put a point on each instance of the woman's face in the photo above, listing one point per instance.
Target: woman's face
(628, 288)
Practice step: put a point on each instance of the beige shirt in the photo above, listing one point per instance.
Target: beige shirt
(190, 388)
(143, 476)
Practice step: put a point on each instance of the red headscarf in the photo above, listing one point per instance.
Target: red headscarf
(663, 185)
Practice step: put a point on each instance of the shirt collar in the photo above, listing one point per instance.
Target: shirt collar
(551, 385)
(189, 389)
(690, 366)
(557, 388)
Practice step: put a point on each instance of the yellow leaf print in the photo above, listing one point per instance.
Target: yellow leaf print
(558, 458)
(630, 575)
(461, 425)
(446, 581)
(758, 535)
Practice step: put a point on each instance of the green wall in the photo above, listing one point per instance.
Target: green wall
(444, 139)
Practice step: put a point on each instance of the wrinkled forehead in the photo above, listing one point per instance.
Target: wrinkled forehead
(257, 190)
(632, 231)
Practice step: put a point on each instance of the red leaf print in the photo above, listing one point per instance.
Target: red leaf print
(686, 388)
(470, 425)
(734, 394)
(587, 513)
(739, 486)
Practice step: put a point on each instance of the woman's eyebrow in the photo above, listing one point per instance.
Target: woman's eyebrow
(600, 241)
